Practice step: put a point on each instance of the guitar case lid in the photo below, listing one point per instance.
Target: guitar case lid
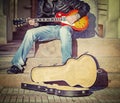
(65, 91)
(78, 76)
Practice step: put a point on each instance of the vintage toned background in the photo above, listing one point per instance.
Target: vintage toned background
(104, 46)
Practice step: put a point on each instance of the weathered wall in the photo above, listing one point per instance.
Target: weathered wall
(3, 21)
(109, 14)
(119, 22)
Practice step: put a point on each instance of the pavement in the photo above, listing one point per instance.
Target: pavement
(18, 95)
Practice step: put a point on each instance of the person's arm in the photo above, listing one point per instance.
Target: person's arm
(71, 19)
(32, 22)
(83, 9)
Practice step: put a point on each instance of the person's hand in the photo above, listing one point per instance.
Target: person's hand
(32, 22)
(71, 19)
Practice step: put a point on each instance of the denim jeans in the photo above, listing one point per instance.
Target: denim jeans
(45, 33)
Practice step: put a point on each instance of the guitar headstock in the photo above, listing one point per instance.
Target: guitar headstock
(18, 22)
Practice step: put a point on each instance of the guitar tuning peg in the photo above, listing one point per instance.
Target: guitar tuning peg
(21, 18)
(18, 26)
(16, 19)
(21, 24)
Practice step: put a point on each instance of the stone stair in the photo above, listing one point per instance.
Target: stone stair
(106, 52)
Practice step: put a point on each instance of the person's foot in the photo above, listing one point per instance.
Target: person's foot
(14, 70)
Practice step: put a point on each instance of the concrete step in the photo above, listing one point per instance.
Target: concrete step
(94, 46)
(5, 62)
(114, 79)
(106, 51)
(10, 48)
(14, 80)
(99, 47)
(109, 64)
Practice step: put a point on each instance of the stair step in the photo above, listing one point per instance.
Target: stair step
(94, 46)
(99, 47)
(106, 51)
(5, 62)
(15, 80)
(114, 79)
(109, 64)
(10, 48)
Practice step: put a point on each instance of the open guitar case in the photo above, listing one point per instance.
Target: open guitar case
(87, 78)
(78, 77)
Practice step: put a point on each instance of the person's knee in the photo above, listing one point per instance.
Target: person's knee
(66, 29)
(66, 32)
(29, 34)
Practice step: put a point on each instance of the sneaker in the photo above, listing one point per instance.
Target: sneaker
(14, 70)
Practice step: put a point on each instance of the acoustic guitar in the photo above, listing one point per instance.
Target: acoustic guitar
(79, 25)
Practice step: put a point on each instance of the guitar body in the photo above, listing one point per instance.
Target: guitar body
(79, 25)
(81, 71)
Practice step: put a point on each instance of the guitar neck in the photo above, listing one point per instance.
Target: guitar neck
(49, 19)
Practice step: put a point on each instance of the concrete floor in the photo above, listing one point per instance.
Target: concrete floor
(14, 94)
(17, 95)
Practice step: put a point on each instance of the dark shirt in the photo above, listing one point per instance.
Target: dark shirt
(49, 9)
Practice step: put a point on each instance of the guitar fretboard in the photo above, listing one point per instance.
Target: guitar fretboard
(49, 19)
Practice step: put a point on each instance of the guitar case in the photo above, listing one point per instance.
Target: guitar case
(72, 79)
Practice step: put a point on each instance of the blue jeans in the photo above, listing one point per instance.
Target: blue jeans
(45, 33)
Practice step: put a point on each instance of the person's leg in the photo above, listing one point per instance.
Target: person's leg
(42, 34)
(66, 42)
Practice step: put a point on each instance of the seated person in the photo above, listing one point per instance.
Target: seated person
(50, 32)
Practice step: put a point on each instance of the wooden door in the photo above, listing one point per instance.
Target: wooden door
(25, 8)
